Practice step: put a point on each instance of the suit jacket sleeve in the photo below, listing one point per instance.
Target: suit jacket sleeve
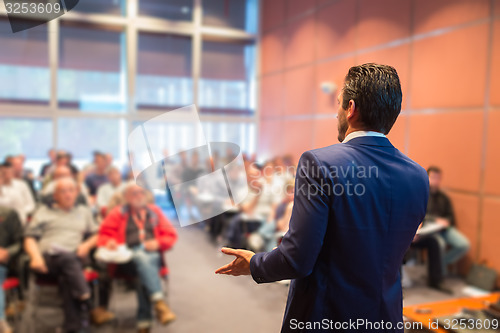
(296, 256)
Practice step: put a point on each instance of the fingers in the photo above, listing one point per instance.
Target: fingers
(224, 269)
(229, 251)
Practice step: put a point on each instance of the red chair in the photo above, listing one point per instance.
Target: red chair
(10, 284)
(11, 287)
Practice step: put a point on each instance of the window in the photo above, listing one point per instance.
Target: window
(238, 14)
(69, 88)
(227, 85)
(82, 136)
(109, 7)
(24, 72)
(90, 75)
(240, 133)
(177, 10)
(164, 71)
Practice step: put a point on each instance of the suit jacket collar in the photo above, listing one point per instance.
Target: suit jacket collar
(370, 141)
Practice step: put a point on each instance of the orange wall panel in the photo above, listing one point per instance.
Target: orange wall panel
(492, 163)
(325, 132)
(451, 141)
(298, 7)
(270, 138)
(490, 230)
(437, 14)
(273, 14)
(449, 70)
(300, 91)
(495, 65)
(382, 21)
(272, 95)
(272, 50)
(300, 41)
(335, 29)
(297, 136)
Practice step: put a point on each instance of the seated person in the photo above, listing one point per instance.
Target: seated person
(15, 193)
(54, 241)
(47, 193)
(440, 210)
(434, 261)
(265, 239)
(147, 232)
(98, 176)
(106, 191)
(258, 207)
(11, 233)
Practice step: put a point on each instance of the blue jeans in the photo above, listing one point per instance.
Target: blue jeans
(3, 276)
(458, 243)
(147, 265)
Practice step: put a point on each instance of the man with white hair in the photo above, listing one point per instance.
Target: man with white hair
(55, 241)
(47, 193)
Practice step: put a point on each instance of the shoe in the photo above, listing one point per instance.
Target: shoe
(14, 309)
(4, 327)
(163, 312)
(101, 316)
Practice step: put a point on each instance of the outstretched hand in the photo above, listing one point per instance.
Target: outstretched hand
(240, 265)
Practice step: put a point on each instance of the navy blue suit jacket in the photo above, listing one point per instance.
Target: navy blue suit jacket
(357, 207)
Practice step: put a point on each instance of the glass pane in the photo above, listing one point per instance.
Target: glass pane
(164, 71)
(239, 14)
(91, 73)
(82, 136)
(227, 83)
(29, 136)
(178, 10)
(108, 7)
(24, 62)
(168, 138)
(241, 134)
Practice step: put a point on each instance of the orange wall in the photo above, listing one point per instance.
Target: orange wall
(447, 53)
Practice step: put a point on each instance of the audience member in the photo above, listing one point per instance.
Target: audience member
(56, 243)
(10, 245)
(15, 193)
(266, 238)
(97, 176)
(146, 231)
(47, 193)
(52, 154)
(106, 191)
(440, 210)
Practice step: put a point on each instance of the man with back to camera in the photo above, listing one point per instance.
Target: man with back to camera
(356, 209)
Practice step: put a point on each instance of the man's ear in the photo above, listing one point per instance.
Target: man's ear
(351, 109)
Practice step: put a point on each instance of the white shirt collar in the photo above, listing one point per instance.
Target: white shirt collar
(358, 134)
